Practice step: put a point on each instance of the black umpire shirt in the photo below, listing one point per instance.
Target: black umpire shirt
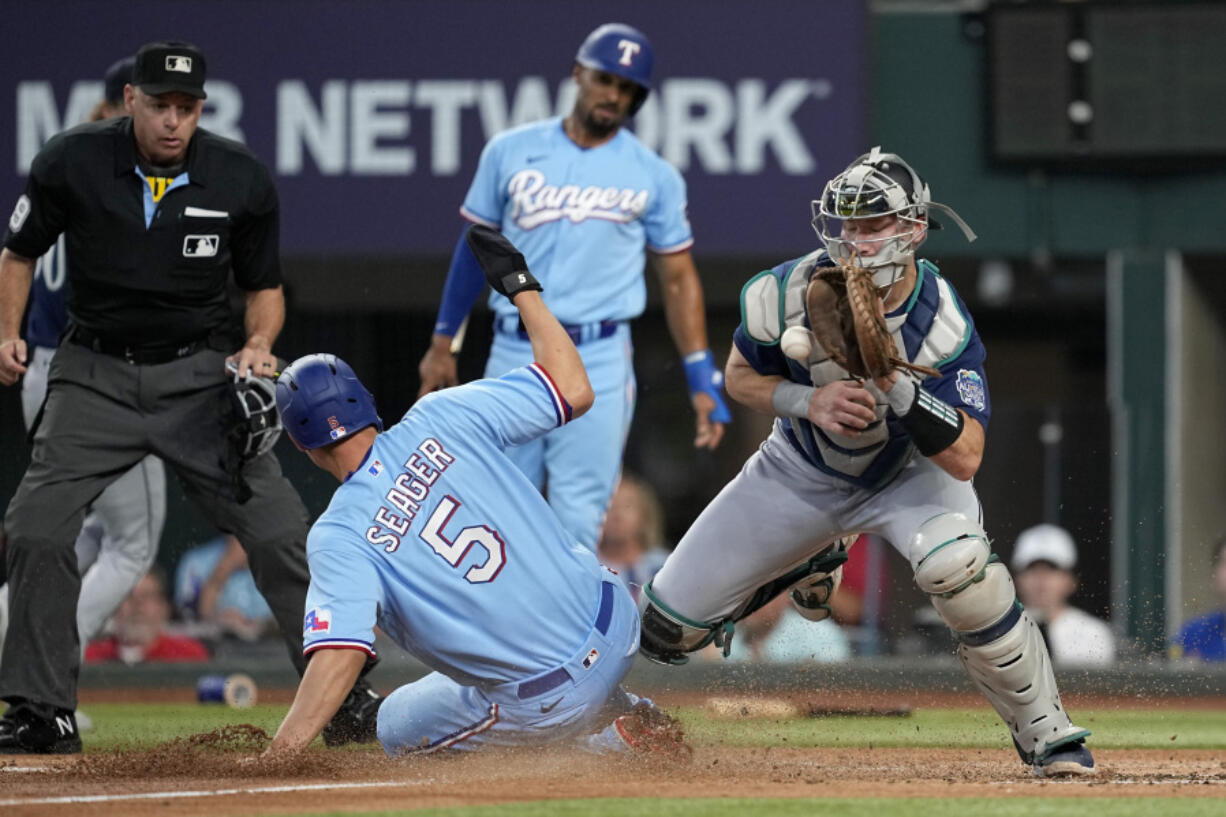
(161, 284)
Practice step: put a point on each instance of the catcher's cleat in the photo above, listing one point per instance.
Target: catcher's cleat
(357, 719)
(35, 729)
(1066, 760)
(650, 732)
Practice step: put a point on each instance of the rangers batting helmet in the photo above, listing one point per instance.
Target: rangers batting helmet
(322, 401)
(623, 51)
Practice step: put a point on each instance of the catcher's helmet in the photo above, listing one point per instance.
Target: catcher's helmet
(322, 401)
(623, 51)
(879, 184)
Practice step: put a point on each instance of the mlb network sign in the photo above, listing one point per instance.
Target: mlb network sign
(373, 128)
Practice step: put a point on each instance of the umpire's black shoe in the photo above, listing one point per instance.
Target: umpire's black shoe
(35, 729)
(356, 720)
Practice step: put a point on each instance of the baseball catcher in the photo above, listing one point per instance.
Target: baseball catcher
(879, 428)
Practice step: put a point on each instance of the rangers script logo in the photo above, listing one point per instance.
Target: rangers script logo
(535, 203)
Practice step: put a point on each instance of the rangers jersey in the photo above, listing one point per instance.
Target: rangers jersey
(440, 540)
(933, 328)
(582, 217)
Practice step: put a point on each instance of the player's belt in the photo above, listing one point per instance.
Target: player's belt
(579, 332)
(141, 355)
(555, 678)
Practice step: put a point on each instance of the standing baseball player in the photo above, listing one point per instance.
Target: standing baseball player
(435, 537)
(587, 203)
(891, 455)
(156, 214)
(120, 535)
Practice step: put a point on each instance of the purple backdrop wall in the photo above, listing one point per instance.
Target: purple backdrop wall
(372, 114)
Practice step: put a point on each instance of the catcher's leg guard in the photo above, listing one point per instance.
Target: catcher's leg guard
(812, 584)
(999, 644)
(666, 635)
(811, 595)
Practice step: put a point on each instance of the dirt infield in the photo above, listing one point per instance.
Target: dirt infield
(214, 775)
(356, 781)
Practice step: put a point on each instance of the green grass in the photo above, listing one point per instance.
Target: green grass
(910, 806)
(118, 726)
(132, 726)
(961, 728)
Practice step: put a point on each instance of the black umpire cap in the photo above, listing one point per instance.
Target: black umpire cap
(170, 66)
(116, 77)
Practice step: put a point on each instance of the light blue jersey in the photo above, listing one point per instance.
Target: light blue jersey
(439, 540)
(582, 217)
(445, 545)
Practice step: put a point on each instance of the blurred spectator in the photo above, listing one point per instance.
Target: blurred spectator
(632, 539)
(214, 586)
(778, 632)
(139, 630)
(1204, 637)
(1043, 562)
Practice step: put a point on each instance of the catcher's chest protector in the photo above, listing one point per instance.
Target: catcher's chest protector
(929, 331)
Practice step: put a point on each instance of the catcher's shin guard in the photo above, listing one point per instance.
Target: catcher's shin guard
(667, 636)
(998, 642)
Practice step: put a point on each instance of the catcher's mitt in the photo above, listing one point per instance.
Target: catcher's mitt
(845, 313)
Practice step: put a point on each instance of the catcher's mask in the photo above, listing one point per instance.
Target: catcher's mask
(622, 51)
(322, 401)
(256, 425)
(878, 184)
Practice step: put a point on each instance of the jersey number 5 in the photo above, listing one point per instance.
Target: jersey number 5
(454, 551)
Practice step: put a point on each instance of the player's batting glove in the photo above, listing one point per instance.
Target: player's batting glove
(503, 265)
(702, 376)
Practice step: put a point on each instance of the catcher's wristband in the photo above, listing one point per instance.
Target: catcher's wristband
(702, 376)
(791, 399)
(933, 424)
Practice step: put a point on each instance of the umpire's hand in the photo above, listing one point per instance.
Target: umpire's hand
(252, 360)
(12, 360)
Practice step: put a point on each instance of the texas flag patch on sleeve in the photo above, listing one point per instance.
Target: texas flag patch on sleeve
(318, 620)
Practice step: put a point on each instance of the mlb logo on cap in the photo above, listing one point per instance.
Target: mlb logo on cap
(170, 67)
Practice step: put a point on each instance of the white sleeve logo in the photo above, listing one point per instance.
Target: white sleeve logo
(628, 48)
(19, 213)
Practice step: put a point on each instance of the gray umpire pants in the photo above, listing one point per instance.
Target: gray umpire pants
(102, 416)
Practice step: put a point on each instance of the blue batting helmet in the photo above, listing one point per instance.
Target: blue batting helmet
(321, 401)
(623, 51)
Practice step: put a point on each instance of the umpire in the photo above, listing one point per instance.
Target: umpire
(156, 214)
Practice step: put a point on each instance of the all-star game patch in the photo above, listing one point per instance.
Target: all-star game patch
(970, 389)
